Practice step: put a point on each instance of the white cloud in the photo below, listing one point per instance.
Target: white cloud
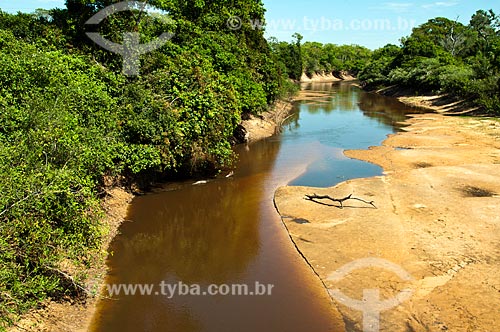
(398, 7)
(440, 4)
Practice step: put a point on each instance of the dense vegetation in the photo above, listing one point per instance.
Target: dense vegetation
(70, 121)
(328, 58)
(315, 58)
(444, 56)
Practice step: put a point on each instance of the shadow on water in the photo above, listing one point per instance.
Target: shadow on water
(223, 232)
(227, 230)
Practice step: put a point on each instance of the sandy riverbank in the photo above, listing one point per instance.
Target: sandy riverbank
(437, 216)
(443, 104)
(327, 77)
(266, 124)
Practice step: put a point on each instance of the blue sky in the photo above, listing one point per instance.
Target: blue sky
(365, 22)
(13, 6)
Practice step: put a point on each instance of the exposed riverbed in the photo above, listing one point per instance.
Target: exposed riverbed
(437, 218)
(227, 231)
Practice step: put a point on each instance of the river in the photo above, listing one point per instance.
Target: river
(227, 231)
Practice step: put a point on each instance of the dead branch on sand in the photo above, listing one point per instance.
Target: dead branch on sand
(341, 201)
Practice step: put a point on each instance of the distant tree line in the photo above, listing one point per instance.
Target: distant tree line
(444, 56)
(316, 58)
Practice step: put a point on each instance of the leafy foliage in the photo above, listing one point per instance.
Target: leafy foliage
(58, 137)
(69, 119)
(328, 58)
(443, 56)
(313, 57)
(289, 55)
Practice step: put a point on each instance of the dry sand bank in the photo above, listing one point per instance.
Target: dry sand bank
(438, 217)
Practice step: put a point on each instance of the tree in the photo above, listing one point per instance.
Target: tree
(485, 24)
(297, 56)
(444, 56)
(69, 120)
(382, 62)
(312, 55)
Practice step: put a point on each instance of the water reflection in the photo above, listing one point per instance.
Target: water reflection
(212, 226)
(349, 119)
(223, 232)
(342, 97)
(346, 97)
(388, 111)
(227, 230)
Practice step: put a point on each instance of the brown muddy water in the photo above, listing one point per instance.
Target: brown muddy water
(227, 231)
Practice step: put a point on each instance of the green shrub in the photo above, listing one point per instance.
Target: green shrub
(456, 79)
(444, 56)
(58, 137)
(68, 119)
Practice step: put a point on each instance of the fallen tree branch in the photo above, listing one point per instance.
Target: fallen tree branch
(341, 201)
(77, 285)
(70, 278)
